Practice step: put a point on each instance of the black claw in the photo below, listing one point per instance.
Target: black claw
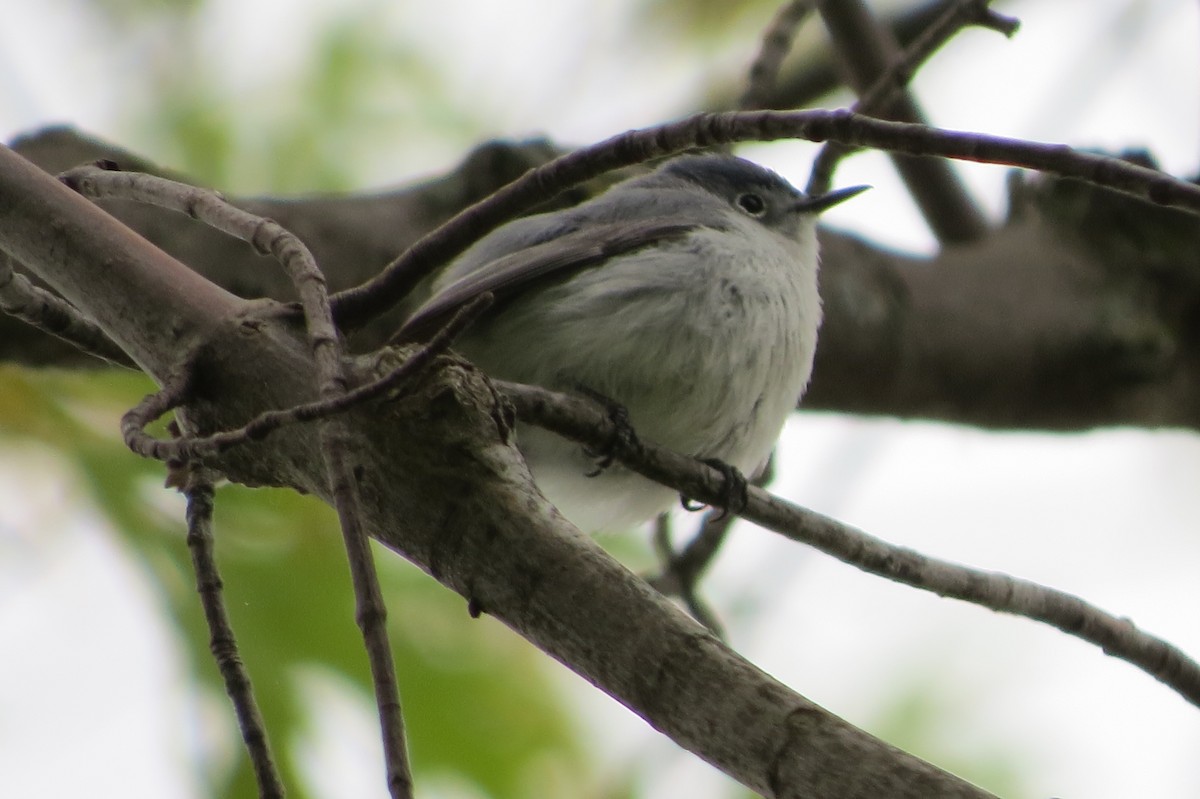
(735, 490)
(623, 438)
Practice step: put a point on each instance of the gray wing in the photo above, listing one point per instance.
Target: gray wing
(570, 250)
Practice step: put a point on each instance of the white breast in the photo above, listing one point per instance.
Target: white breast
(708, 346)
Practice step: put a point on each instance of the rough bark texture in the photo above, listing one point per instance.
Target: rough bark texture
(1078, 312)
(441, 482)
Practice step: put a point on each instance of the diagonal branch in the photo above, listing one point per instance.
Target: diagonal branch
(776, 42)
(35, 306)
(141, 282)
(584, 421)
(443, 484)
(891, 82)
(356, 306)
(867, 49)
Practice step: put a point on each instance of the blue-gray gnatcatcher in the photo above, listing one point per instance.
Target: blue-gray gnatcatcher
(688, 296)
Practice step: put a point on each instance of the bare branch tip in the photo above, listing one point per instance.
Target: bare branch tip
(1000, 23)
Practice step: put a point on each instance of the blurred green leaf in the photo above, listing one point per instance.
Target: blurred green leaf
(916, 721)
(363, 91)
(705, 20)
(478, 700)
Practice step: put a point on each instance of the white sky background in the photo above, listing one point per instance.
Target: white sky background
(1111, 516)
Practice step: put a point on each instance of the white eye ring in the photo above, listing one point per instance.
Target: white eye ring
(752, 204)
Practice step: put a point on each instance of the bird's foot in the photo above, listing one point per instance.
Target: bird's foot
(735, 490)
(623, 436)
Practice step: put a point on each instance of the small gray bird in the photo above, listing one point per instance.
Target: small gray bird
(688, 296)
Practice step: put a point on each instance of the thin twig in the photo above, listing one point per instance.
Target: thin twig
(672, 580)
(135, 421)
(371, 614)
(370, 610)
(956, 16)
(776, 44)
(268, 237)
(815, 76)
(357, 305)
(52, 314)
(867, 49)
(222, 642)
(584, 421)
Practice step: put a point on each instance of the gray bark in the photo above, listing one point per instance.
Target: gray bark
(441, 482)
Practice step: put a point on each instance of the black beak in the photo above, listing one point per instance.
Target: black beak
(823, 202)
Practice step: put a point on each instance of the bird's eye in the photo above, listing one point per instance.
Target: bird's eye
(752, 204)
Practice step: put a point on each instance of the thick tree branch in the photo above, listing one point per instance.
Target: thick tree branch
(21, 299)
(443, 484)
(351, 236)
(135, 279)
(1065, 320)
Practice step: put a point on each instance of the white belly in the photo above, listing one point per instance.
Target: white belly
(708, 361)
